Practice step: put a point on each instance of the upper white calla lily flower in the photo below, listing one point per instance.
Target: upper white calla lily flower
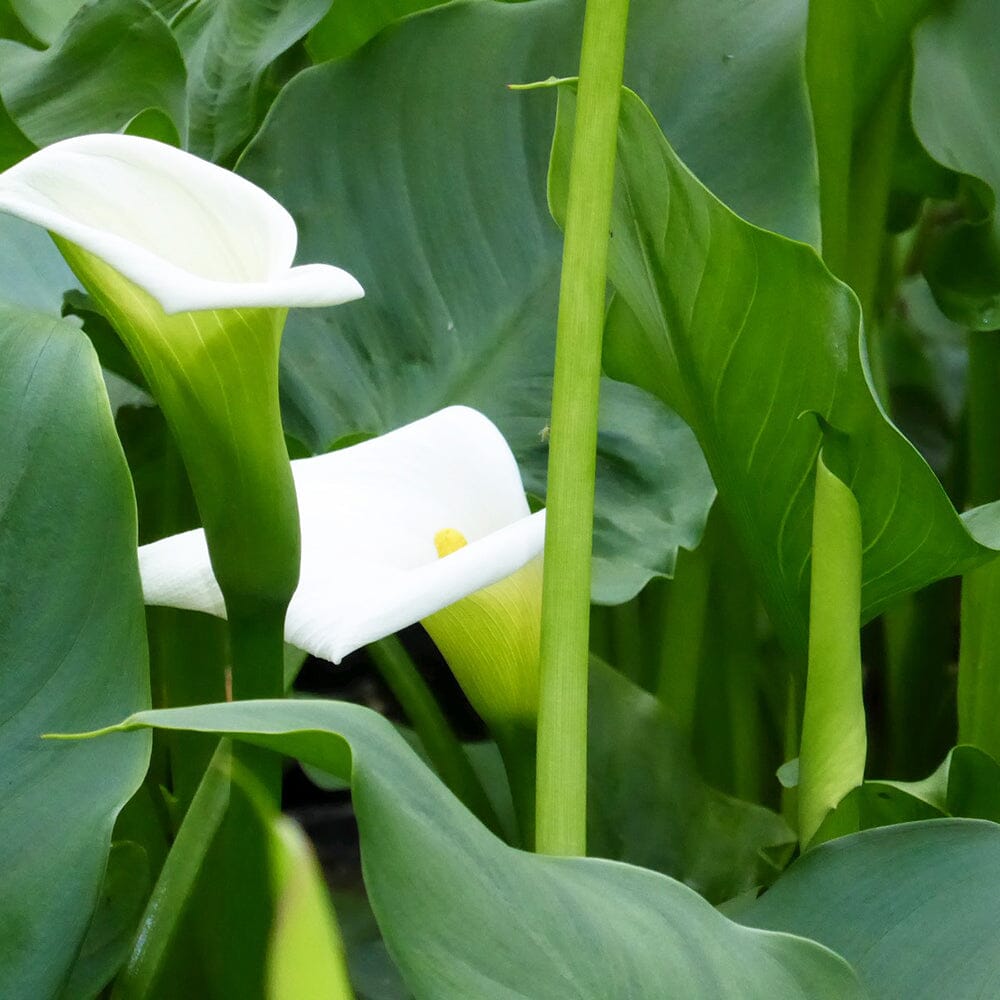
(191, 234)
(193, 267)
(393, 530)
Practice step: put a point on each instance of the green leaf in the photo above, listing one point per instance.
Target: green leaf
(113, 60)
(351, 23)
(14, 144)
(437, 206)
(955, 107)
(227, 46)
(967, 784)
(123, 895)
(648, 805)
(464, 915)
(72, 644)
(913, 907)
(743, 331)
(45, 19)
(33, 275)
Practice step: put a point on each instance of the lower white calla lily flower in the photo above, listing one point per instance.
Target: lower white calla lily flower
(393, 530)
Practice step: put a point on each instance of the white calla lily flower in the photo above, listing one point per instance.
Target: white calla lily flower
(192, 235)
(193, 267)
(393, 530)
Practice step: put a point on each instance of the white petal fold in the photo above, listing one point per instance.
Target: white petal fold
(193, 235)
(369, 516)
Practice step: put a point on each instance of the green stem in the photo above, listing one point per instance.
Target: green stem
(562, 721)
(830, 78)
(683, 635)
(626, 637)
(979, 657)
(870, 186)
(257, 650)
(443, 748)
(834, 741)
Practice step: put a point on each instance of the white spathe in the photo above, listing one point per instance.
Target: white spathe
(191, 234)
(369, 514)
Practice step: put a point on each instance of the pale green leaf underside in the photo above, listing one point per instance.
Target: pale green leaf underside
(464, 915)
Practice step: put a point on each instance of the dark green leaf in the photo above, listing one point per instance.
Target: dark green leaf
(648, 805)
(72, 644)
(227, 46)
(123, 894)
(955, 108)
(351, 23)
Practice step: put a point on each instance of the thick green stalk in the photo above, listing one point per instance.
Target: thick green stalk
(834, 740)
(684, 634)
(562, 721)
(979, 657)
(830, 78)
(443, 748)
(256, 644)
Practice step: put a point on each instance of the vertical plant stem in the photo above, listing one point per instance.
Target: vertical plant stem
(979, 656)
(834, 741)
(830, 78)
(562, 718)
(443, 748)
(626, 631)
(256, 642)
(870, 184)
(684, 634)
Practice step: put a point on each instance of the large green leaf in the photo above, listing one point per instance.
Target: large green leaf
(114, 59)
(437, 205)
(955, 107)
(912, 906)
(72, 644)
(744, 332)
(464, 915)
(227, 46)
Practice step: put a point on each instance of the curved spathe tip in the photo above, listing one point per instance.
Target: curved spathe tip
(193, 235)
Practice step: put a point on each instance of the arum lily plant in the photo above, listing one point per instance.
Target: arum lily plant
(428, 522)
(193, 266)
